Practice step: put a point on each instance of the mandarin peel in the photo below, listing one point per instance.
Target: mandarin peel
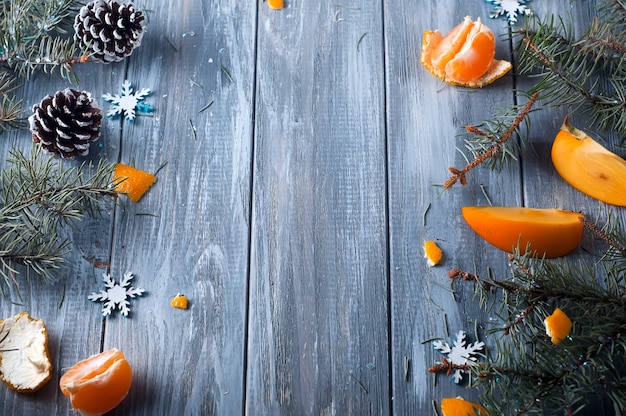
(179, 301)
(558, 326)
(432, 253)
(276, 4)
(132, 181)
(457, 406)
(588, 166)
(464, 56)
(97, 384)
(537, 232)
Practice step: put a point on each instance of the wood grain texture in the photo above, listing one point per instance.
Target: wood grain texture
(291, 211)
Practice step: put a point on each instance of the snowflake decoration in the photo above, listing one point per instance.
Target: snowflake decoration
(510, 9)
(459, 353)
(116, 294)
(129, 102)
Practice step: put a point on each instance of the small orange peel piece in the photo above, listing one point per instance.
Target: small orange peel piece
(276, 4)
(24, 358)
(179, 301)
(588, 166)
(558, 326)
(464, 56)
(537, 231)
(456, 406)
(97, 384)
(132, 181)
(432, 252)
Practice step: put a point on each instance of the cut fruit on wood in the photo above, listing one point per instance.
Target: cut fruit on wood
(24, 359)
(588, 166)
(432, 252)
(275, 4)
(97, 384)
(539, 232)
(456, 406)
(465, 56)
(558, 326)
(132, 181)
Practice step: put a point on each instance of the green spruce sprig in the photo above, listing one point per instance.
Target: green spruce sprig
(40, 199)
(524, 372)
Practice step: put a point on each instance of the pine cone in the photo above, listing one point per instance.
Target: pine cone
(109, 29)
(66, 123)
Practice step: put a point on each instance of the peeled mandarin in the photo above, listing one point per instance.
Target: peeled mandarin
(541, 232)
(132, 181)
(464, 56)
(432, 252)
(588, 166)
(97, 384)
(456, 406)
(558, 326)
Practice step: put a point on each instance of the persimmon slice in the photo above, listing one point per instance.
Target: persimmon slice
(537, 232)
(97, 384)
(464, 56)
(456, 406)
(132, 181)
(588, 166)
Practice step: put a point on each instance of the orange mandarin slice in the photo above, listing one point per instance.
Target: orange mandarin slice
(432, 252)
(132, 181)
(97, 384)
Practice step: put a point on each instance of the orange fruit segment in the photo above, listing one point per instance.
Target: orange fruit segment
(97, 384)
(538, 232)
(132, 181)
(276, 4)
(456, 406)
(464, 56)
(588, 166)
(432, 252)
(558, 326)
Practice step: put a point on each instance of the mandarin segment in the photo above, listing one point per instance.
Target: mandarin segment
(588, 166)
(456, 406)
(558, 326)
(432, 252)
(464, 56)
(537, 232)
(97, 384)
(132, 181)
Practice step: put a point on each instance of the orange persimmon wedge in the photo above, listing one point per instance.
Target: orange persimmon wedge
(456, 406)
(464, 56)
(275, 4)
(588, 166)
(132, 181)
(539, 232)
(558, 326)
(97, 384)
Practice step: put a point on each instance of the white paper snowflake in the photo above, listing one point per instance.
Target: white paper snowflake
(129, 102)
(116, 294)
(510, 9)
(459, 353)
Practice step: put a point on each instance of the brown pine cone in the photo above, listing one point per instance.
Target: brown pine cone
(66, 123)
(108, 29)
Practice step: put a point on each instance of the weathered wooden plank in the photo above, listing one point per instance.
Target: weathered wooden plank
(318, 335)
(195, 239)
(424, 116)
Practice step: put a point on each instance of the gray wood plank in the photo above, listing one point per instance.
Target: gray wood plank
(195, 240)
(318, 278)
(424, 117)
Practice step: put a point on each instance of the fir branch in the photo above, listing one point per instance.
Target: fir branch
(491, 140)
(39, 199)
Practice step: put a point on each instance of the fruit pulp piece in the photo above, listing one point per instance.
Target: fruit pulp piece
(97, 384)
(543, 232)
(456, 406)
(588, 166)
(132, 181)
(558, 326)
(475, 58)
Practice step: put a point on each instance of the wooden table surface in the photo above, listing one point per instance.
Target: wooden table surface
(291, 212)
